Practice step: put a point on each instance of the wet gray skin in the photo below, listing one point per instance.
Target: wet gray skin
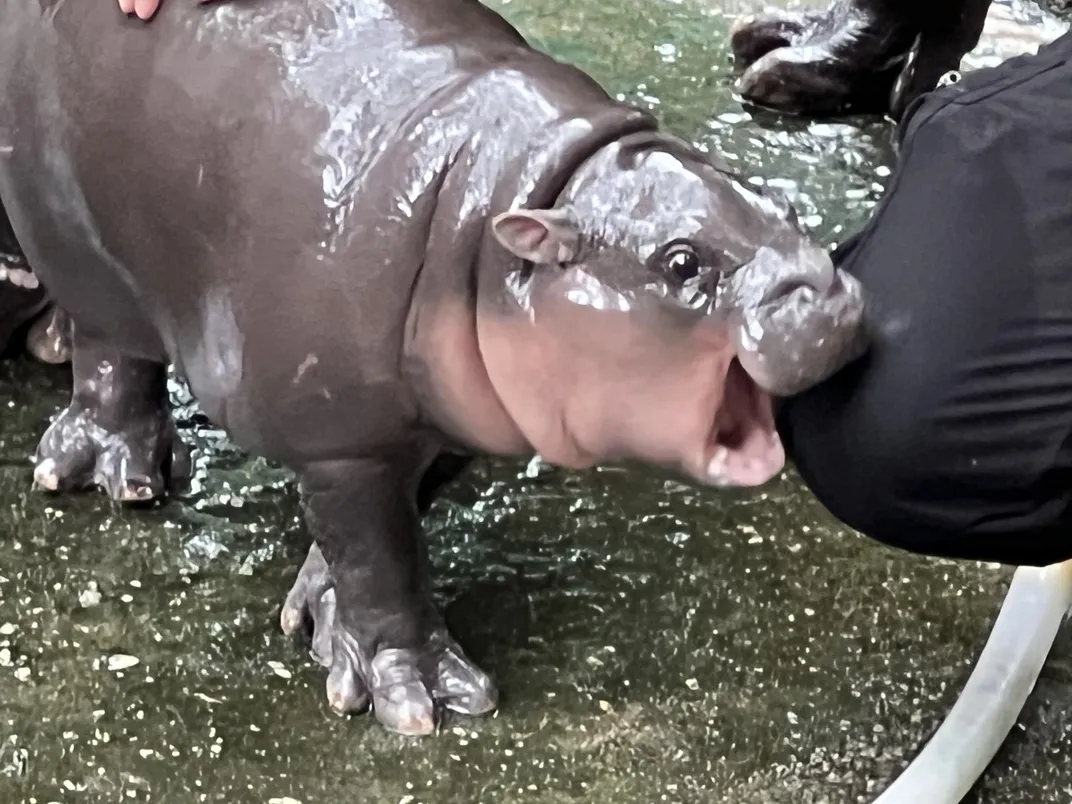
(455, 208)
(656, 642)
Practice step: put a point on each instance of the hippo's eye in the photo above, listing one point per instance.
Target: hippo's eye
(683, 261)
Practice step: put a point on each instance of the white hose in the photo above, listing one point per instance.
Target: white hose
(983, 716)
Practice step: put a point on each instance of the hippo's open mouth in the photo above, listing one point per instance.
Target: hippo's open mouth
(744, 448)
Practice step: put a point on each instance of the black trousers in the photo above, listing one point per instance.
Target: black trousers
(953, 437)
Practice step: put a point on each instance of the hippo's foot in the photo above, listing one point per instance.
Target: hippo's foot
(131, 464)
(116, 434)
(403, 684)
(846, 59)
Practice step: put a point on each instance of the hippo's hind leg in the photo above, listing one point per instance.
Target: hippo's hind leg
(366, 588)
(18, 307)
(117, 433)
(22, 300)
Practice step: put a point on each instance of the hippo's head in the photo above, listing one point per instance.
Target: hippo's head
(656, 307)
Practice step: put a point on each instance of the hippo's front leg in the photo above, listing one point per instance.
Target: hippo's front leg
(117, 433)
(366, 587)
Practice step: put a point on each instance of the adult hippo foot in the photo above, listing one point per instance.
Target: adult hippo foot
(403, 684)
(846, 59)
(117, 433)
(859, 56)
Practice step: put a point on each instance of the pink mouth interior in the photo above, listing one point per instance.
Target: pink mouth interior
(745, 449)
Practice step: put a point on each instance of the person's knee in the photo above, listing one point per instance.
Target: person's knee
(855, 463)
(886, 470)
(866, 490)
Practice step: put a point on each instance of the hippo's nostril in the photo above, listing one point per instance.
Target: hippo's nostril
(773, 275)
(820, 283)
(785, 288)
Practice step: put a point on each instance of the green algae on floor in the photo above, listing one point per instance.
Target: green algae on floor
(654, 642)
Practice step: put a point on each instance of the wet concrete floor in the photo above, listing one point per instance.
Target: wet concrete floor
(654, 642)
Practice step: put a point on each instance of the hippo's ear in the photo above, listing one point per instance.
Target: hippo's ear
(538, 235)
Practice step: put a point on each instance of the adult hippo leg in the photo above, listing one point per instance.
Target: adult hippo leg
(117, 433)
(859, 56)
(366, 586)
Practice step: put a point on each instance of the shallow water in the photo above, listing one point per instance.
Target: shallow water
(653, 642)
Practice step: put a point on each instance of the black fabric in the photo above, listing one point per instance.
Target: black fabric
(954, 436)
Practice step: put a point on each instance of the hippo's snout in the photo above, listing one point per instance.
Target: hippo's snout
(801, 320)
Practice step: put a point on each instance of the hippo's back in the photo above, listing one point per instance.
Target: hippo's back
(241, 136)
(238, 186)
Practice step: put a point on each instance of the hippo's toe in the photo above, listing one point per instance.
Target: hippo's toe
(132, 463)
(755, 36)
(117, 433)
(844, 59)
(403, 685)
